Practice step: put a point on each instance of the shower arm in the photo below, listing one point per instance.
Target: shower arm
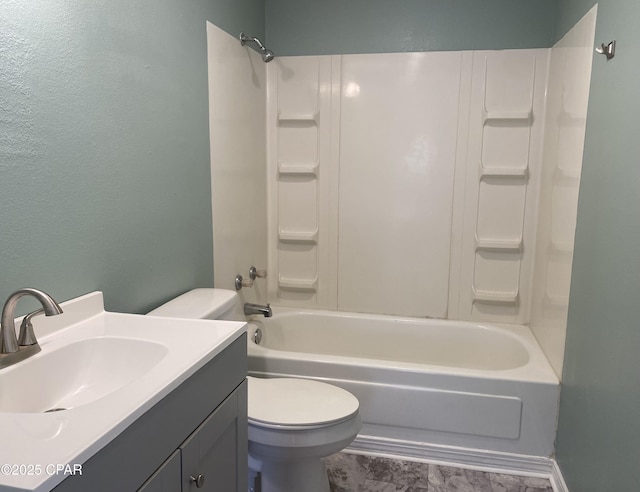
(246, 39)
(267, 55)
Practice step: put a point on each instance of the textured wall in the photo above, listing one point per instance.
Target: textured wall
(309, 27)
(104, 146)
(598, 440)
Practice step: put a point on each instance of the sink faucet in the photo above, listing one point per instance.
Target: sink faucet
(250, 308)
(10, 350)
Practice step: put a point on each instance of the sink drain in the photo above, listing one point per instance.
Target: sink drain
(60, 409)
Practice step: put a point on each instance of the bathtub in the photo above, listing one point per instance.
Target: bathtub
(420, 381)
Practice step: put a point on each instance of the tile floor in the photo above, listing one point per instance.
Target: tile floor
(360, 473)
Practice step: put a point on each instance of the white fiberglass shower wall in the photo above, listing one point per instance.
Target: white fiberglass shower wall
(237, 92)
(405, 183)
(565, 124)
(408, 183)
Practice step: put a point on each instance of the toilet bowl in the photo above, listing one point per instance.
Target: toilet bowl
(292, 423)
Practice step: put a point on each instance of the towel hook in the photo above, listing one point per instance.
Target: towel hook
(608, 50)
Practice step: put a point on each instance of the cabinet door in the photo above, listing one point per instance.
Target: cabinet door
(166, 478)
(217, 449)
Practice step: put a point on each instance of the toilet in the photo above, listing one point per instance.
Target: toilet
(293, 423)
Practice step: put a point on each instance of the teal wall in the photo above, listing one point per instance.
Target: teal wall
(598, 442)
(104, 146)
(310, 27)
(104, 165)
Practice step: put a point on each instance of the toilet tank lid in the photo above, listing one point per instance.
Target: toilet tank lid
(198, 304)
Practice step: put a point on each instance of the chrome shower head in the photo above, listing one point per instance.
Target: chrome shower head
(267, 55)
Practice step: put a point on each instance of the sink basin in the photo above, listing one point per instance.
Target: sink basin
(96, 374)
(76, 374)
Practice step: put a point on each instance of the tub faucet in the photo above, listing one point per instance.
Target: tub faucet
(11, 351)
(250, 308)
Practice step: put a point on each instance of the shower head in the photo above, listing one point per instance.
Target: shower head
(267, 55)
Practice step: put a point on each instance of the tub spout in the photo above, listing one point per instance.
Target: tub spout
(250, 308)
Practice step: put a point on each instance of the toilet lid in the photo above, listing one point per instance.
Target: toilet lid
(298, 402)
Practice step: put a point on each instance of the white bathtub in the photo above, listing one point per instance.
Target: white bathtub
(440, 382)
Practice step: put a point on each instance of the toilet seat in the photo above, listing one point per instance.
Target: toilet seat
(287, 403)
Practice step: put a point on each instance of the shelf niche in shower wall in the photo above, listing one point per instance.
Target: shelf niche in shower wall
(290, 119)
(310, 169)
(298, 106)
(503, 165)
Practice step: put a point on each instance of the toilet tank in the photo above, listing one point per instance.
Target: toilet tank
(203, 304)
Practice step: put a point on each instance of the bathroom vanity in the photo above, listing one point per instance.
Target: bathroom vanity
(181, 442)
(126, 402)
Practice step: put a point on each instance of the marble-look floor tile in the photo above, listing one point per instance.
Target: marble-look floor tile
(449, 479)
(359, 473)
(345, 473)
(376, 486)
(396, 471)
(349, 471)
(513, 483)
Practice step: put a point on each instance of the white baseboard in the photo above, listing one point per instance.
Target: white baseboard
(557, 480)
(475, 459)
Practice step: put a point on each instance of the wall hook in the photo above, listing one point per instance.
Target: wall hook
(608, 50)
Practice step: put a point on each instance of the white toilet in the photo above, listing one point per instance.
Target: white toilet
(293, 423)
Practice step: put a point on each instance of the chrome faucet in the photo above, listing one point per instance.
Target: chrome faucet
(250, 308)
(12, 350)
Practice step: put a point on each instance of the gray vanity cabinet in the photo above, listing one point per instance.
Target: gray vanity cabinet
(200, 428)
(210, 454)
(167, 478)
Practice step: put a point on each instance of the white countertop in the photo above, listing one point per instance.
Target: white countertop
(33, 445)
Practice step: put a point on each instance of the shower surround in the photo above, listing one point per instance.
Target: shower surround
(405, 183)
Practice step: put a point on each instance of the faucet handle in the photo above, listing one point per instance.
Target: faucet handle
(255, 273)
(241, 282)
(27, 336)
